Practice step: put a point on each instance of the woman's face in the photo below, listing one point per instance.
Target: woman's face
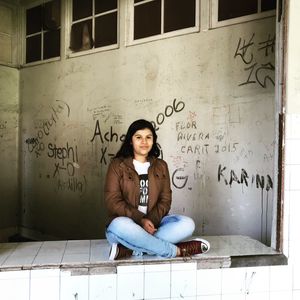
(142, 142)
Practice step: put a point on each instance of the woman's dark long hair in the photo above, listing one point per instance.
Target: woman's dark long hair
(126, 149)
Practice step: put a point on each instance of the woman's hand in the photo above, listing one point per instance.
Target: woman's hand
(148, 226)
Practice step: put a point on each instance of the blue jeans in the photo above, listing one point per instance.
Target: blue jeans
(171, 230)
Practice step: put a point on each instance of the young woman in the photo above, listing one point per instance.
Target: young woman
(138, 198)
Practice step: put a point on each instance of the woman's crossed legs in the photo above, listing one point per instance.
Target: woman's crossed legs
(172, 229)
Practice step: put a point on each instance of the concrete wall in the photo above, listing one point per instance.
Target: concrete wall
(9, 116)
(277, 282)
(217, 136)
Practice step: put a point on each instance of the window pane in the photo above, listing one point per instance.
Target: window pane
(147, 19)
(82, 9)
(137, 1)
(52, 14)
(179, 14)
(34, 20)
(81, 36)
(268, 5)
(229, 9)
(51, 44)
(106, 30)
(105, 5)
(33, 48)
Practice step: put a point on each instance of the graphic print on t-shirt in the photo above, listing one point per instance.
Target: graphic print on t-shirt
(144, 191)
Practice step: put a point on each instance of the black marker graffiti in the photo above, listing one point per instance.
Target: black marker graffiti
(111, 136)
(230, 147)
(195, 149)
(108, 136)
(267, 45)
(63, 153)
(37, 144)
(179, 181)
(69, 168)
(257, 73)
(105, 156)
(261, 182)
(242, 50)
(169, 110)
(31, 141)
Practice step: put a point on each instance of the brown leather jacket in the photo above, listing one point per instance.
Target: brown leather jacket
(122, 190)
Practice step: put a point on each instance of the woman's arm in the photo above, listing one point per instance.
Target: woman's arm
(114, 200)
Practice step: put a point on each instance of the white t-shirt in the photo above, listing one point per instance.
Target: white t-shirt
(142, 170)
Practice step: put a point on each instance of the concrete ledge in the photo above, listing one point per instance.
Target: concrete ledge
(89, 257)
(258, 260)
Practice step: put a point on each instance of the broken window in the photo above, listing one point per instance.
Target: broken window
(161, 16)
(43, 31)
(94, 24)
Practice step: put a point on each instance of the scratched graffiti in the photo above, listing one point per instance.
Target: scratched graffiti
(57, 111)
(73, 184)
(102, 111)
(182, 179)
(3, 126)
(194, 141)
(143, 101)
(247, 51)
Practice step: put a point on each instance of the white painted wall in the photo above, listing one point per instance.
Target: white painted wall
(233, 127)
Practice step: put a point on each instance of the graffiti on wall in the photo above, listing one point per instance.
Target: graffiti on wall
(3, 126)
(111, 136)
(106, 137)
(65, 157)
(176, 107)
(230, 177)
(257, 72)
(57, 111)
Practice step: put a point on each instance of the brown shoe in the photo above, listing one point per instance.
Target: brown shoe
(118, 251)
(193, 247)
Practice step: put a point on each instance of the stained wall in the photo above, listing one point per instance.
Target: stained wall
(210, 95)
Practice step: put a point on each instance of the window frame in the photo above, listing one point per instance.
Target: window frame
(24, 35)
(129, 39)
(13, 35)
(214, 23)
(69, 22)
